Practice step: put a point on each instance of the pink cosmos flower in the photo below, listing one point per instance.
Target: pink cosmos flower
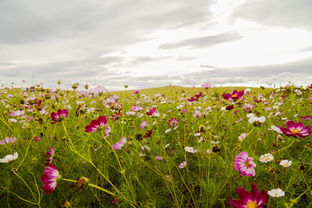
(296, 129)
(159, 158)
(234, 96)
(196, 97)
(306, 117)
(120, 144)
(248, 107)
(173, 122)
(244, 164)
(59, 115)
(50, 153)
(143, 125)
(183, 164)
(96, 124)
(252, 199)
(37, 139)
(17, 113)
(151, 112)
(49, 178)
(136, 92)
(8, 140)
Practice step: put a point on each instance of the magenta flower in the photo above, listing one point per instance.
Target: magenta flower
(196, 97)
(306, 117)
(148, 133)
(49, 178)
(252, 199)
(120, 144)
(136, 92)
(59, 115)
(8, 140)
(96, 124)
(173, 122)
(229, 107)
(36, 138)
(50, 153)
(151, 112)
(234, 96)
(244, 164)
(296, 129)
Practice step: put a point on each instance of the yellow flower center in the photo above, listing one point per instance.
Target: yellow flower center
(295, 131)
(234, 96)
(251, 204)
(247, 164)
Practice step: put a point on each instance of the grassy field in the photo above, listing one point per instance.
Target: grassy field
(161, 147)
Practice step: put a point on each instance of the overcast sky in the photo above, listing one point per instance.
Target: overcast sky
(148, 43)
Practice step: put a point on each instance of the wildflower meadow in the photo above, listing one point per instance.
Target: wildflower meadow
(156, 148)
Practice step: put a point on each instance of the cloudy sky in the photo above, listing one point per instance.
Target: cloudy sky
(148, 43)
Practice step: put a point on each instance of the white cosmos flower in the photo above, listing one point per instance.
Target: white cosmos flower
(190, 149)
(276, 129)
(285, 163)
(9, 158)
(266, 158)
(276, 192)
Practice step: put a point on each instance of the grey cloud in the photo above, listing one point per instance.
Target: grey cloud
(27, 21)
(147, 59)
(286, 13)
(203, 42)
(307, 49)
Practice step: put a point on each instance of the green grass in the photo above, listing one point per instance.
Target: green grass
(133, 175)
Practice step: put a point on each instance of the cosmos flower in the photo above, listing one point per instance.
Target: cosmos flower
(190, 149)
(252, 199)
(229, 107)
(159, 158)
(96, 124)
(296, 129)
(120, 144)
(50, 153)
(244, 164)
(151, 112)
(8, 140)
(248, 107)
(183, 164)
(196, 97)
(49, 178)
(276, 192)
(255, 120)
(285, 163)
(234, 96)
(36, 138)
(148, 133)
(276, 129)
(136, 92)
(266, 158)
(173, 122)
(143, 125)
(306, 117)
(9, 158)
(59, 115)
(242, 136)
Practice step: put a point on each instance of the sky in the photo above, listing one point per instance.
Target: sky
(148, 43)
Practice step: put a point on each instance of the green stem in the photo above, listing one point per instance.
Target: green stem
(284, 147)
